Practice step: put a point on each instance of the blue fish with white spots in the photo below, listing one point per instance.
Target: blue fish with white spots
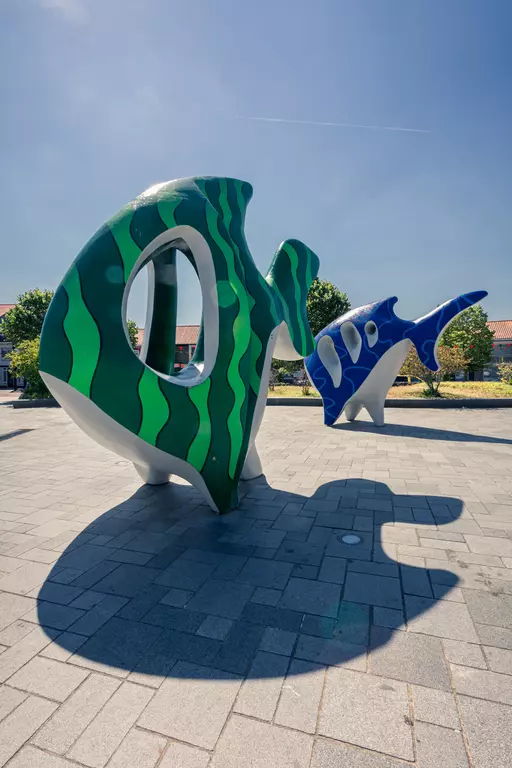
(358, 356)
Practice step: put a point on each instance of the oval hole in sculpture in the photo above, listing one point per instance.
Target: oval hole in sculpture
(352, 340)
(329, 358)
(166, 295)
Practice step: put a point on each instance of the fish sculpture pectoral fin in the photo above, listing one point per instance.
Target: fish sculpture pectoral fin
(290, 276)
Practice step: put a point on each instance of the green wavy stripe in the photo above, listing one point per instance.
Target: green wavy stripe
(166, 209)
(128, 248)
(309, 279)
(285, 309)
(241, 334)
(83, 336)
(294, 262)
(200, 445)
(155, 408)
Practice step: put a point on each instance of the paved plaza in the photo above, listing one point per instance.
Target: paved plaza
(138, 629)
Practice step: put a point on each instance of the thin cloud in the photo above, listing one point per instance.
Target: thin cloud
(335, 125)
(73, 11)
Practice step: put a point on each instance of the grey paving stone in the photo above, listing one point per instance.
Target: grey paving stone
(437, 707)
(331, 754)
(495, 721)
(482, 684)
(388, 617)
(278, 641)
(85, 557)
(291, 523)
(410, 657)
(313, 597)
(30, 757)
(489, 609)
(87, 578)
(180, 619)
(139, 748)
(184, 756)
(186, 574)
(496, 636)
(15, 631)
(118, 644)
(466, 654)
(499, 660)
(331, 652)
(247, 742)
(415, 581)
(88, 599)
(176, 598)
(320, 626)
(142, 603)
(305, 571)
(353, 623)
(221, 598)
(49, 678)
(303, 553)
(262, 573)
(215, 628)
(102, 737)
(73, 717)
(193, 705)
(375, 569)
(9, 700)
(21, 724)
(97, 616)
(333, 570)
(436, 747)
(230, 567)
(373, 590)
(440, 618)
(24, 579)
(127, 580)
(13, 607)
(54, 616)
(300, 696)
(239, 648)
(57, 593)
(266, 596)
(18, 655)
(259, 693)
(371, 712)
(281, 618)
(487, 545)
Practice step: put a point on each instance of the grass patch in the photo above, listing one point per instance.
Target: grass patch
(450, 390)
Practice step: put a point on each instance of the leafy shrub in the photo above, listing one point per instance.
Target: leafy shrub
(25, 362)
(505, 372)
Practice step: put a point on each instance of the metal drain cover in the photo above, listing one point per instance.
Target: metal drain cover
(350, 538)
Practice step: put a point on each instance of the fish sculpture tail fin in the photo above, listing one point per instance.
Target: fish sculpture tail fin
(291, 274)
(426, 332)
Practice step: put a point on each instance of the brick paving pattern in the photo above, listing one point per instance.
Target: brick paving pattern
(137, 629)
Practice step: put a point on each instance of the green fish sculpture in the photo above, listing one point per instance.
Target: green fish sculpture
(200, 423)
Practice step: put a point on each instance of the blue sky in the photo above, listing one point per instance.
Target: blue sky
(102, 98)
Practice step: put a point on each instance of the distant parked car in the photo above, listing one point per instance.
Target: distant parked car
(287, 378)
(401, 381)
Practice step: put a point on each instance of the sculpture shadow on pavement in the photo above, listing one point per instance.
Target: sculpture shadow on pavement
(158, 585)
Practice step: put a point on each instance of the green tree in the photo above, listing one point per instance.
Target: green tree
(25, 362)
(25, 321)
(469, 332)
(324, 304)
(133, 331)
(451, 361)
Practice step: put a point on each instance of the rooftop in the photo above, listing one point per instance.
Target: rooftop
(502, 329)
(5, 308)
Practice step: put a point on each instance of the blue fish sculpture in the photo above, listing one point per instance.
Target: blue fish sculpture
(358, 356)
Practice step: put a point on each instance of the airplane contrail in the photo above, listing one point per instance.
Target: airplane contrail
(334, 125)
